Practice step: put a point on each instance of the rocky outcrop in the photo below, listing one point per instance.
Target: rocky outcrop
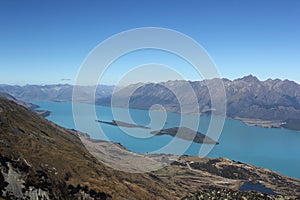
(207, 178)
(222, 193)
(22, 181)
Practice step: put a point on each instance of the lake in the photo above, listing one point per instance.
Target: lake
(275, 149)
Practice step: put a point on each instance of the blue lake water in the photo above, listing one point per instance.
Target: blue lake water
(275, 149)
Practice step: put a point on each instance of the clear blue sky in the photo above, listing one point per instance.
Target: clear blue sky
(42, 42)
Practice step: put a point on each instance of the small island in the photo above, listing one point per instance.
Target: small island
(186, 134)
(123, 124)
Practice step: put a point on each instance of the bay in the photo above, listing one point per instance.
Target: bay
(275, 149)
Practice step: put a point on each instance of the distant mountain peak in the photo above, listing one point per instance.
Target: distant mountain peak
(249, 78)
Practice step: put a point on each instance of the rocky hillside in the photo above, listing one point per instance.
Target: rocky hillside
(54, 92)
(247, 97)
(222, 178)
(39, 158)
(201, 178)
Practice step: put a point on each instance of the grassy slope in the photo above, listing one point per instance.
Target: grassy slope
(29, 138)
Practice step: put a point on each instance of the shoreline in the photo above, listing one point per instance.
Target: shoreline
(261, 123)
(248, 121)
(217, 172)
(87, 137)
(250, 162)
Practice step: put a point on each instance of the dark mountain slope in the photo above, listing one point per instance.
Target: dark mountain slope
(40, 158)
(29, 106)
(9, 97)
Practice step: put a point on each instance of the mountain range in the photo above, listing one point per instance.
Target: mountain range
(247, 98)
(269, 103)
(59, 92)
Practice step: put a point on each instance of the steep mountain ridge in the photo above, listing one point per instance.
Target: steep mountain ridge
(29, 106)
(9, 97)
